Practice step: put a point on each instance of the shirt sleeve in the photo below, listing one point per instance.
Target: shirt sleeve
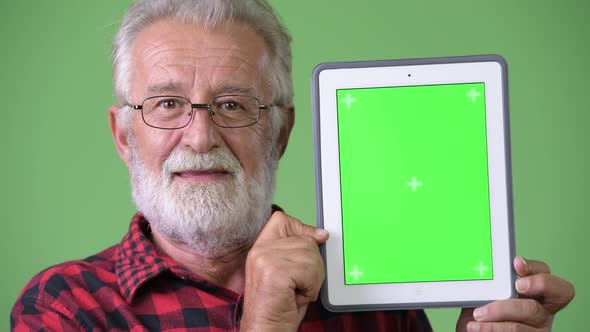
(31, 315)
(47, 304)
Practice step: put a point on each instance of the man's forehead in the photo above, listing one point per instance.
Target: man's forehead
(172, 57)
(229, 45)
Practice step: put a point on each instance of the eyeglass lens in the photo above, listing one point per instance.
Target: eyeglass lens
(171, 112)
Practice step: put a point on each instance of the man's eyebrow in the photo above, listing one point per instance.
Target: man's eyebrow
(175, 88)
(236, 89)
(163, 88)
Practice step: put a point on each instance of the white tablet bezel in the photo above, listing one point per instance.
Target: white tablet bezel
(327, 79)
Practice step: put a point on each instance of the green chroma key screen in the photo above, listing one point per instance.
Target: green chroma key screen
(414, 183)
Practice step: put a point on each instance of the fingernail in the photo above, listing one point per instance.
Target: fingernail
(480, 313)
(321, 232)
(473, 326)
(524, 262)
(522, 285)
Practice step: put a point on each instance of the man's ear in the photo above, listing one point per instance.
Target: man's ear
(286, 129)
(119, 132)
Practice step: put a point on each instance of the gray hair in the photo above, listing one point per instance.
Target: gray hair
(257, 14)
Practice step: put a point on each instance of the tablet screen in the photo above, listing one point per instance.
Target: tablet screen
(414, 184)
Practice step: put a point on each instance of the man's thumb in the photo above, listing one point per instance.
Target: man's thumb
(280, 226)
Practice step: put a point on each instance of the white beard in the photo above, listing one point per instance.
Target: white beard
(211, 218)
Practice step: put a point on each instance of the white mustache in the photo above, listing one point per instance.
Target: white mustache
(185, 160)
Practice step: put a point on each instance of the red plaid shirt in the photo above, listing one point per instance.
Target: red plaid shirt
(133, 287)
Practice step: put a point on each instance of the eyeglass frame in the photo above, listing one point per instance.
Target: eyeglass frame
(207, 106)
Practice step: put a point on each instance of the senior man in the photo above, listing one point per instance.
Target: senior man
(205, 111)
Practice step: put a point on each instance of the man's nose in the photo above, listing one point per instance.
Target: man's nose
(201, 134)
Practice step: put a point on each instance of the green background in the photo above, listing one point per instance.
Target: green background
(65, 193)
(435, 135)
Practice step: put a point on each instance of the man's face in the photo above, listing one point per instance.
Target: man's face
(202, 181)
(171, 58)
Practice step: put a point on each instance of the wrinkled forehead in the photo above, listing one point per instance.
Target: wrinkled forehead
(170, 57)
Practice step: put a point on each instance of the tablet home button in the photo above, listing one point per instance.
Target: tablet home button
(419, 292)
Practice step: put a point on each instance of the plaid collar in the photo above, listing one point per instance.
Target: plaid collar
(138, 261)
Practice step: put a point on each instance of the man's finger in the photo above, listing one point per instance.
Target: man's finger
(525, 267)
(526, 311)
(499, 327)
(553, 292)
(281, 226)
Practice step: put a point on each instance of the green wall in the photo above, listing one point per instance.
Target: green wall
(65, 193)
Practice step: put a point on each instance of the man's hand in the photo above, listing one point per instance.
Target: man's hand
(541, 295)
(284, 273)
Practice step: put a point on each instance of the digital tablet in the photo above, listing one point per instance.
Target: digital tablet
(413, 182)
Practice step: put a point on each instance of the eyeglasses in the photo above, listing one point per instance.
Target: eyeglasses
(175, 112)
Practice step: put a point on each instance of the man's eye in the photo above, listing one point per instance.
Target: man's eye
(230, 106)
(169, 104)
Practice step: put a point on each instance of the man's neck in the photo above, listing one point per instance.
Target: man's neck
(227, 271)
